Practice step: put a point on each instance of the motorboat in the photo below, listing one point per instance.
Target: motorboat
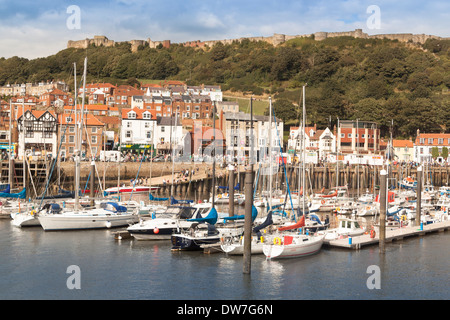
(407, 183)
(162, 225)
(224, 198)
(366, 198)
(201, 232)
(367, 210)
(129, 189)
(347, 227)
(110, 215)
(444, 191)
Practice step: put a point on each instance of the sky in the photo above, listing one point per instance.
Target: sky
(32, 29)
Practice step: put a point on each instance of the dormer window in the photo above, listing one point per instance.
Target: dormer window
(146, 115)
(132, 115)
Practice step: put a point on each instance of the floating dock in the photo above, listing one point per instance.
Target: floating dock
(391, 235)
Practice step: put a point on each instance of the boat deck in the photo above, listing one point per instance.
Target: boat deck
(391, 235)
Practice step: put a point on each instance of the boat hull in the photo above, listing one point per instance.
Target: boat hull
(238, 249)
(293, 250)
(182, 242)
(80, 221)
(25, 220)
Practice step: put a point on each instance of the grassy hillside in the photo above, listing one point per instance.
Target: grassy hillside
(367, 79)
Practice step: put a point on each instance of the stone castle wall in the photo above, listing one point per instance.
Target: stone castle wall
(275, 40)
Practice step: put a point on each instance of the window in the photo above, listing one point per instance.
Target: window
(148, 134)
(72, 129)
(430, 140)
(128, 134)
(47, 134)
(94, 129)
(132, 115)
(94, 139)
(349, 135)
(72, 139)
(128, 124)
(422, 140)
(440, 140)
(147, 124)
(163, 129)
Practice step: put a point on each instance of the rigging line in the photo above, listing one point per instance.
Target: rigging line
(95, 163)
(137, 175)
(53, 167)
(282, 161)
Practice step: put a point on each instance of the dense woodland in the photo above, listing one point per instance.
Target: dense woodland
(347, 78)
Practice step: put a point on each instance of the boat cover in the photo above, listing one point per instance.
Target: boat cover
(7, 188)
(242, 216)
(226, 187)
(175, 201)
(20, 195)
(211, 218)
(113, 206)
(266, 223)
(314, 217)
(300, 223)
(152, 198)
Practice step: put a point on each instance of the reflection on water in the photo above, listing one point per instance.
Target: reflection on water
(33, 266)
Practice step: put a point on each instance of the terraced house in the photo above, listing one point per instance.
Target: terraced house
(424, 144)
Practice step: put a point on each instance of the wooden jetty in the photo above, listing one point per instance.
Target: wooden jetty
(391, 235)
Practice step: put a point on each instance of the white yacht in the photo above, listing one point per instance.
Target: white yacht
(110, 215)
(162, 225)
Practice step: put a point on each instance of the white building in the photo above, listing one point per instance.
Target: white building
(37, 133)
(214, 92)
(238, 136)
(137, 133)
(425, 142)
(320, 142)
(168, 134)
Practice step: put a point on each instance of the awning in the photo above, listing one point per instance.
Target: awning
(136, 147)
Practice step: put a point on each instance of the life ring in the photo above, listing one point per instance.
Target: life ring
(322, 202)
(277, 240)
(403, 217)
(367, 208)
(33, 212)
(372, 233)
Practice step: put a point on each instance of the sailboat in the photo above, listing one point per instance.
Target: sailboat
(232, 239)
(203, 231)
(109, 215)
(287, 242)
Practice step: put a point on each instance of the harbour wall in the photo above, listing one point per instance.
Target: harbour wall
(198, 179)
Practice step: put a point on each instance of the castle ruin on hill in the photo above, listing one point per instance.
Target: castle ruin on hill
(275, 40)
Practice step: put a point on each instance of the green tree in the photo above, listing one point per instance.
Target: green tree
(444, 153)
(434, 152)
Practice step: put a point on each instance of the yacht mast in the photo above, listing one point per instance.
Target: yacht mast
(303, 151)
(270, 153)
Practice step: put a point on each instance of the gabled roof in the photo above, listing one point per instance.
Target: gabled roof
(402, 143)
(89, 120)
(36, 113)
(139, 113)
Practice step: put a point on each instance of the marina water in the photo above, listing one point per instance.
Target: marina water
(34, 265)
